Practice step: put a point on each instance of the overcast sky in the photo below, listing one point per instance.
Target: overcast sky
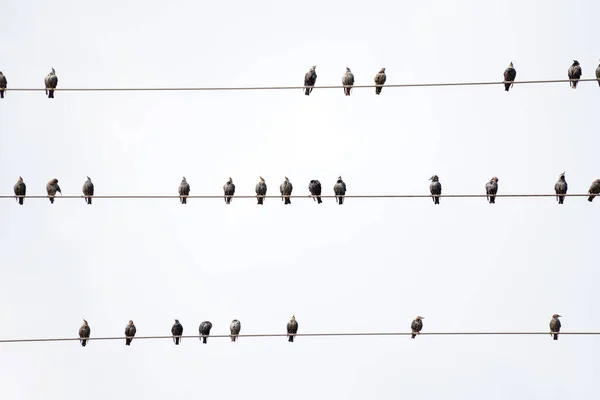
(369, 265)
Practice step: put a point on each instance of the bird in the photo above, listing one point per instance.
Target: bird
(348, 80)
(176, 331)
(84, 333)
(491, 188)
(184, 191)
(286, 190)
(561, 188)
(310, 78)
(380, 80)
(235, 328)
(510, 74)
(416, 326)
(261, 190)
(204, 329)
(3, 83)
(340, 190)
(574, 73)
(51, 188)
(51, 81)
(314, 186)
(292, 328)
(597, 75)
(129, 333)
(20, 190)
(435, 188)
(555, 326)
(228, 190)
(594, 190)
(88, 190)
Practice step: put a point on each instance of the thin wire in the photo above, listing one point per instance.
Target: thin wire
(404, 85)
(301, 334)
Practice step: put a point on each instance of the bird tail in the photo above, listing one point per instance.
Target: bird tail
(2, 94)
(233, 336)
(204, 339)
(287, 201)
(83, 342)
(319, 201)
(127, 342)
(183, 200)
(177, 341)
(89, 200)
(52, 200)
(591, 198)
(51, 94)
(561, 199)
(341, 200)
(598, 85)
(378, 90)
(307, 91)
(436, 200)
(414, 335)
(21, 200)
(555, 336)
(492, 199)
(291, 338)
(574, 84)
(227, 200)
(507, 86)
(260, 200)
(347, 91)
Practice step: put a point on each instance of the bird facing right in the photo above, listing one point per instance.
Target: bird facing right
(314, 187)
(380, 79)
(292, 328)
(510, 74)
(88, 190)
(491, 189)
(348, 80)
(51, 188)
(228, 190)
(340, 190)
(20, 190)
(574, 73)
(435, 188)
(84, 333)
(416, 326)
(234, 329)
(3, 83)
(177, 332)
(130, 331)
(594, 190)
(261, 190)
(204, 329)
(184, 190)
(560, 187)
(310, 78)
(51, 81)
(555, 326)
(286, 189)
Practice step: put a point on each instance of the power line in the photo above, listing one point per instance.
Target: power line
(302, 334)
(240, 88)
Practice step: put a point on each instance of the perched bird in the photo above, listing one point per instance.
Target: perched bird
(228, 190)
(84, 333)
(88, 190)
(20, 190)
(310, 78)
(51, 188)
(380, 80)
(340, 190)
(574, 73)
(261, 190)
(3, 83)
(235, 328)
(314, 186)
(51, 81)
(435, 188)
(597, 75)
(491, 188)
(129, 333)
(348, 80)
(177, 331)
(184, 191)
(561, 188)
(286, 190)
(594, 189)
(510, 74)
(292, 328)
(416, 326)
(555, 326)
(204, 329)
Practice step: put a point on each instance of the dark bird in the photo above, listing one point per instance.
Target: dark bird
(184, 191)
(235, 328)
(51, 81)
(348, 80)
(3, 83)
(416, 326)
(510, 74)
(286, 190)
(51, 188)
(261, 190)
(314, 186)
(435, 188)
(380, 80)
(594, 189)
(129, 333)
(84, 333)
(555, 326)
(561, 188)
(340, 190)
(597, 75)
(88, 190)
(292, 328)
(20, 190)
(574, 73)
(204, 329)
(228, 190)
(177, 331)
(310, 78)
(491, 188)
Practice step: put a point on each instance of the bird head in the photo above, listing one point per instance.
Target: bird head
(20, 179)
(314, 67)
(510, 65)
(130, 322)
(286, 179)
(555, 316)
(434, 178)
(261, 178)
(575, 62)
(495, 179)
(53, 72)
(348, 69)
(339, 178)
(293, 318)
(183, 179)
(85, 322)
(419, 318)
(177, 321)
(562, 176)
(89, 179)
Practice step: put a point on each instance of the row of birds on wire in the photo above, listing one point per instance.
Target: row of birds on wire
(236, 326)
(314, 187)
(310, 79)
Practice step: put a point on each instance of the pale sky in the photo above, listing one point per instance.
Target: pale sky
(369, 265)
